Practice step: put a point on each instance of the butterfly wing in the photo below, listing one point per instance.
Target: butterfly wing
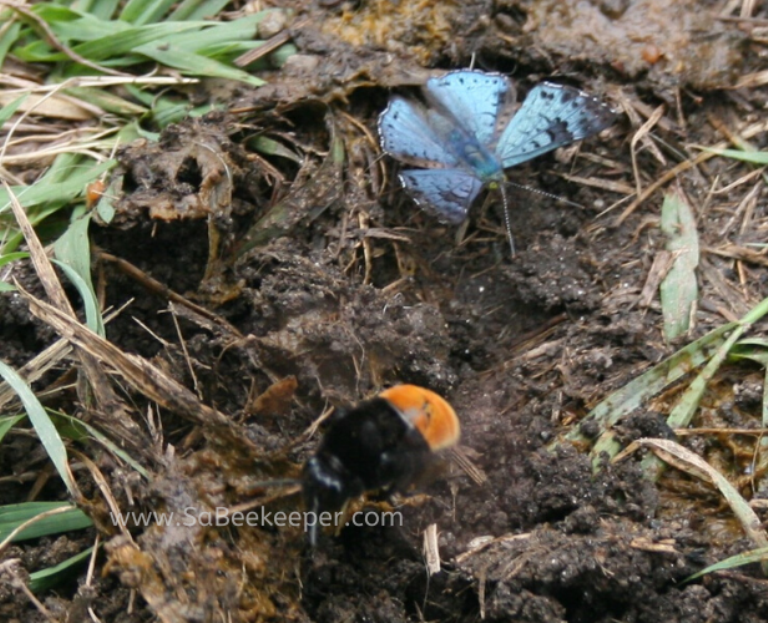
(407, 135)
(446, 193)
(551, 116)
(472, 98)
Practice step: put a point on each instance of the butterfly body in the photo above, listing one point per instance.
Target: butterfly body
(477, 158)
(468, 152)
(469, 132)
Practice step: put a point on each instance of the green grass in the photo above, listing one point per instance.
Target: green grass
(116, 71)
(123, 70)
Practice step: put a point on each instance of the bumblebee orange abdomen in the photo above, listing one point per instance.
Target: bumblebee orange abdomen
(428, 412)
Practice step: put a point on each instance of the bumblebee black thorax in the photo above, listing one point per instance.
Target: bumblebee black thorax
(367, 448)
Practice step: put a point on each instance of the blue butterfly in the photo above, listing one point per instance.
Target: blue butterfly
(468, 133)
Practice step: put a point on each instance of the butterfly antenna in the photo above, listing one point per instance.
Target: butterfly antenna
(544, 193)
(505, 203)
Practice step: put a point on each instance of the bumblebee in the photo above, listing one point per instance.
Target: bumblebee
(383, 444)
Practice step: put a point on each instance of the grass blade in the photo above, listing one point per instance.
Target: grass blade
(68, 518)
(108, 443)
(196, 65)
(691, 463)
(6, 424)
(8, 38)
(107, 101)
(73, 250)
(754, 157)
(682, 413)
(46, 191)
(114, 46)
(6, 112)
(93, 317)
(46, 578)
(44, 428)
(628, 398)
(197, 9)
(140, 12)
(679, 291)
(103, 9)
(739, 560)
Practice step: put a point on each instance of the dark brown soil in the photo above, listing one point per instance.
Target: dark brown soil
(319, 268)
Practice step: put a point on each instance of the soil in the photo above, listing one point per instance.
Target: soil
(304, 278)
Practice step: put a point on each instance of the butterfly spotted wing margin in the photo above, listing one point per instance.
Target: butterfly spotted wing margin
(447, 194)
(551, 116)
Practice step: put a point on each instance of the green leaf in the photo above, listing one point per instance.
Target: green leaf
(196, 65)
(102, 9)
(49, 190)
(140, 12)
(44, 428)
(12, 257)
(87, 30)
(197, 9)
(107, 442)
(46, 578)
(755, 157)
(227, 50)
(56, 13)
(133, 130)
(139, 35)
(13, 515)
(632, 395)
(6, 112)
(756, 349)
(7, 38)
(7, 423)
(752, 348)
(69, 427)
(282, 54)
(682, 413)
(93, 318)
(271, 147)
(62, 167)
(104, 208)
(711, 349)
(39, 52)
(218, 33)
(114, 45)
(73, 250)
(107, 101)
(35, 217)
(739, 560)
(679, 290)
